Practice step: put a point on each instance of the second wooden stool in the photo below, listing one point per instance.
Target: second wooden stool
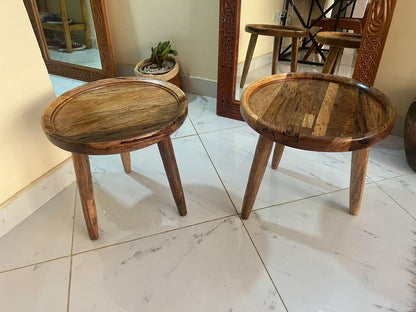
(338, 41)
(277, 32)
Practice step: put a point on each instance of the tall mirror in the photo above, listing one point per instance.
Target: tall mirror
(348, 16)
(73, 37)
(312, 15)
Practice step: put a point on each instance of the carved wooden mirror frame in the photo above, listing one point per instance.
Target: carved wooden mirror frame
(368, 59)
(83, 73)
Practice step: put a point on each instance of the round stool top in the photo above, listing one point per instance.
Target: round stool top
(114, 115)
(276, 30)
(339, 39)
(317, 112)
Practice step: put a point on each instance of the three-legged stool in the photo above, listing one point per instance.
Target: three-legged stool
(116, 116)
(277, 32)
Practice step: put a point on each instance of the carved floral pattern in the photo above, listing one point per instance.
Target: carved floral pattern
(373, 41)
(379, 17)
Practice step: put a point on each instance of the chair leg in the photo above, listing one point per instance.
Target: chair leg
(258, 167)
(277, 155)
(125, 158)
(86, 192)
(294, 56)
(276, 49)
(357, 178)
(249, 56)
(171, 168)
(331, 60)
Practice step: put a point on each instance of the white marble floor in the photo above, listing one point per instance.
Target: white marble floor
(299, 251)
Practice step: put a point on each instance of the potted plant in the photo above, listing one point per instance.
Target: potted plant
(162, 65)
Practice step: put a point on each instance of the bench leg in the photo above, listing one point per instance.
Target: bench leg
(249, 56)
(276, 50)
(171, 168)
(125, 158)
(258, 167)
(277, 155)
(357, 179)
(86, 193)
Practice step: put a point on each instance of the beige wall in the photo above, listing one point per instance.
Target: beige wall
(397, 72)
(26, 89)
(190, 25)
(257, 12)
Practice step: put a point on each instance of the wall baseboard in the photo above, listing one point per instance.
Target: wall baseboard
(30, 199)
(200, 86)
(190, 84)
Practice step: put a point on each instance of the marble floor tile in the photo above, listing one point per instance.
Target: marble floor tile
(186, 129)
(301, 173)
(201, 110)
(138, 204)
(387, 159)
(63, 84)
(39, 288)
(403, 191)
(323, 259)
(45, 235)
(208, 267)
(86, 57)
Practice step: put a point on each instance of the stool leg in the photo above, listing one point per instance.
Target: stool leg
(86, 193)
(125, 158)
(249, 56)
(276, 49)
(337, 61)
(171, 168)
(294, 56)
(357, 178)
(277, 155)
(258, 167)
(330, 60)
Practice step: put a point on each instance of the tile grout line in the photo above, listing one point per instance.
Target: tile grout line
(252, 242)
(264, 265)
(34, 264)
(405, 210)
(215, 168)
(116, 244)
(152, 235)
(72, 249)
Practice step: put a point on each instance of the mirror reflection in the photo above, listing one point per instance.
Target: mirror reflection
(273, 27)
(69, 31)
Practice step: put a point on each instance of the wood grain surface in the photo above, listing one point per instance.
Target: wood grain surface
(317, 112)
(339, 39)
(276, 30)
(86, 192)
(114, 115)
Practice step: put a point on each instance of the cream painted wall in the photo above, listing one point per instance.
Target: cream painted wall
(257, 12)
(26, 89)
(397, 72)
(190, 25)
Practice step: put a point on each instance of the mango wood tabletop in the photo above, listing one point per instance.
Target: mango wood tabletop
(112, 116)
(316, 112)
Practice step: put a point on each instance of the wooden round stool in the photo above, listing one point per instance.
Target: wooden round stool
(112, 116)
(315, 112)
(277, 32)
(337, 41)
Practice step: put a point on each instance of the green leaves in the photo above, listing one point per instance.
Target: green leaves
(161, 52)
